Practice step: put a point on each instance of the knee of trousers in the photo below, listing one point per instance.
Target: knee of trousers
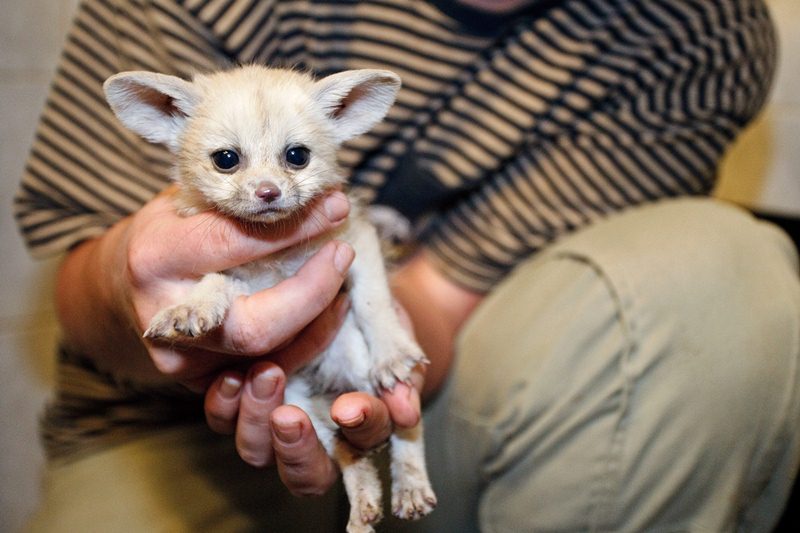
(641, 372)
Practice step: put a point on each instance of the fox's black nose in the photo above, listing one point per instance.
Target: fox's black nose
(268, 191)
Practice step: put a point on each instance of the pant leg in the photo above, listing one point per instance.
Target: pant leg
(639, 375)
(185, 479)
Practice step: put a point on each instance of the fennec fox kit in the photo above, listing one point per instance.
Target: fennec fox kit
(260, 144)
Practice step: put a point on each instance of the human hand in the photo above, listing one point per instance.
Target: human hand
(250, 406)
(152, 259)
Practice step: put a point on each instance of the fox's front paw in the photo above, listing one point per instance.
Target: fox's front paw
(396, 361)
(185, 320)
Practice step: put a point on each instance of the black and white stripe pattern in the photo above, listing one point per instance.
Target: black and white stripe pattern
(506, 135)
(507, 132)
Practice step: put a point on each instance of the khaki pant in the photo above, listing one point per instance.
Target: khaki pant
(639, 375)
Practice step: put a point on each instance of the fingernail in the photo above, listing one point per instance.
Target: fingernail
(343, 257)
(336, 207)
(288, 433)
(354, 421)
(230, 387)
(264, 385)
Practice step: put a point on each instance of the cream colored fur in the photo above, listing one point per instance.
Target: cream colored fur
(260, 113)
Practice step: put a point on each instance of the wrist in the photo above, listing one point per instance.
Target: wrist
(93, 307)
(110, 276)
(438, 308)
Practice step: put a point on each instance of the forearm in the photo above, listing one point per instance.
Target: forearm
(438, 308)
(89, 306)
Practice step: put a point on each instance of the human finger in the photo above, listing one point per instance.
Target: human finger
(223, 395)
(222, 402)
(403, 404)
(192, 360)
(211, 242)
(259, 323)
(303, 465)
(313, 340)
(262, 393)
(364, 419)
(197, 368)
(194, 367)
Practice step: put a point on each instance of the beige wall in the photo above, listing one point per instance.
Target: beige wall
(761, 171)
(31, 32)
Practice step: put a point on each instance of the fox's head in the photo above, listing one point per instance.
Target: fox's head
(253, 142)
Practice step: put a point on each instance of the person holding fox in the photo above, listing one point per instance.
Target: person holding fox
(609, 348)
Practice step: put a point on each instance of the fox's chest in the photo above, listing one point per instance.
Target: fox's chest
(268, 272)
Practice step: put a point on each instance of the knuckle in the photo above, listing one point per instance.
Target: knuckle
(308, 481)
(137, 246)
(310, 490)
(366, 443)
(248, 336)
(321, 295)
(243, 340)
(255, 419)
(220, 423)
(166, 361)
(139, 261)
(255, 457)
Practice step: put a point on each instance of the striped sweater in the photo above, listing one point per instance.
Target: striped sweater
(509, 131)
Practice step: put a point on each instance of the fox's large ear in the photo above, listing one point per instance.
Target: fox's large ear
(356, 100)
(153, 105)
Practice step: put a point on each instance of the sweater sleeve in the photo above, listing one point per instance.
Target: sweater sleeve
(586, 115)
(85, 171)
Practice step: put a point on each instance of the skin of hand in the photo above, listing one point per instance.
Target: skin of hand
(109, 288)
(249, 404)
(437, 308)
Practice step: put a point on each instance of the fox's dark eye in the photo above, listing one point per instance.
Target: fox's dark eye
(225, 160)
(298, 156)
